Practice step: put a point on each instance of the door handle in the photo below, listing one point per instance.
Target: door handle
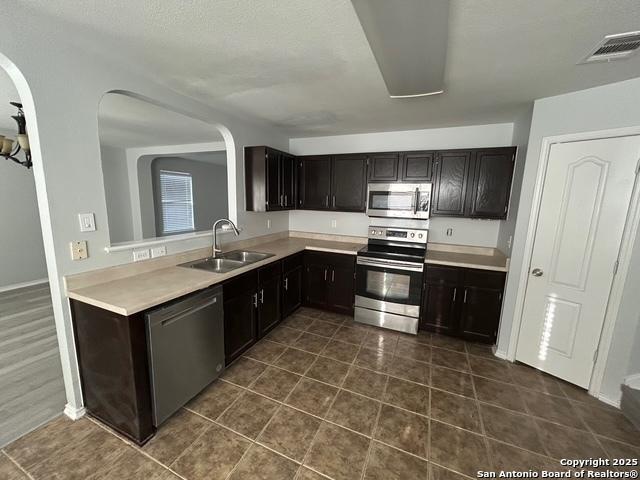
(262, 295)
(455, 293)
(333, 276)
(286, 283)
(415, 207)
(255, 300)
(464, 300)
(325, 274)
(536, 272)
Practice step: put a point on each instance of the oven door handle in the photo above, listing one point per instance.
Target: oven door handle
(417, 200)
(409, 266)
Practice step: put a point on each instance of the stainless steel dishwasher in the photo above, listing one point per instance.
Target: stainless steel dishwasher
(186, 349)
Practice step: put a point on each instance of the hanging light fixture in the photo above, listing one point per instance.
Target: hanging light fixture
(10, 148)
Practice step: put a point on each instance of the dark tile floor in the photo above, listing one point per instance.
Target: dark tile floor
(322, 397)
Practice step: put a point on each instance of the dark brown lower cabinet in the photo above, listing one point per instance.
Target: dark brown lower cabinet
(240, 296)
(462, 302)
(292, 275)
(329, 281)
(269, 278)
(114, 369)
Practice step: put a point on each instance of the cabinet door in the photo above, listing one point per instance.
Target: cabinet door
(340, 289)
(315, 285)
(439, 303)
(383, 167)
(417, 166)
(273, 182)
(291, 291)
(349, 183)
(314, 182)
(239, 324)
(480, 314)
(492, 183)
(288, 177)
(268, 306)
(451, 183)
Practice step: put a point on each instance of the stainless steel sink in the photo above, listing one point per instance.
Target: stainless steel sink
(227, 261)
(245, 256)
(217, 265)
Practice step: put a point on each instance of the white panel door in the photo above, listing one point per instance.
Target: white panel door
(585, 200)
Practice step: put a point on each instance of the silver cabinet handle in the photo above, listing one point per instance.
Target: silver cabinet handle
(455, 293)
(327, 200)
(334, 201)
(255, 300)
(262, 295)
(286, 283)
(536, 272)
(464, 300)
(282, 200)
(333, 275)
(325, 274)
(285, 200)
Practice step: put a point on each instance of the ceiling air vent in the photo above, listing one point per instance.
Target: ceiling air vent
(614, 47)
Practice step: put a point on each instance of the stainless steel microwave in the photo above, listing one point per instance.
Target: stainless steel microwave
(399, 200)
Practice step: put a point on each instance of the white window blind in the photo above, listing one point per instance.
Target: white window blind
(176, 196)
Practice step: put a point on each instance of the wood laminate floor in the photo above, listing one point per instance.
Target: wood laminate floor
(31, 385)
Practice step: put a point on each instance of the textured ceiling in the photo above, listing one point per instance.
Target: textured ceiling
(126, 122)
(305, 65)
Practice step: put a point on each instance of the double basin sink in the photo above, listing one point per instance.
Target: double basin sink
(225, 262)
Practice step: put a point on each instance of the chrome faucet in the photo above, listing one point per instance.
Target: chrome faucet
(215, 235)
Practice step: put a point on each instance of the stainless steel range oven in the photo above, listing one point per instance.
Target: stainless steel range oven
(389, 278)
(399, 200)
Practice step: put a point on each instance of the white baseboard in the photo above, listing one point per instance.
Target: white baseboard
(16, 286)
(609, 401)
(74, 413)
(500, 354)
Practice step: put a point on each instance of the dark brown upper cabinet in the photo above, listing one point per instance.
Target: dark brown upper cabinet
(417, 166)
(473, 183)
(452, 171)
(384, 167)
(349, 183)
(493, 172)
(269, 179)
(335, 182)
(314, 182)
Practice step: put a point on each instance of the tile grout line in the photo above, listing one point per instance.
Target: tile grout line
(135, 447)
(485, 439)
(15, 462)
(374, 430)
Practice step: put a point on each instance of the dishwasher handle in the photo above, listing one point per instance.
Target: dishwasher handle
(185, 313)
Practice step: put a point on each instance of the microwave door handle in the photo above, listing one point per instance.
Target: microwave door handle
(417, 200)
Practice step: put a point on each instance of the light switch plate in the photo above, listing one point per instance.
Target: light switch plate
(141, 255)
(79, 250)
(160, 251)
(87, 222)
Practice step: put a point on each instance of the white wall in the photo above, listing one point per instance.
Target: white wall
(118, 198)
(600, 108)
(61, 80)
(21, 249)
(465, 231)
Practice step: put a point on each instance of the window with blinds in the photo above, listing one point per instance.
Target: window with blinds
(176, 197)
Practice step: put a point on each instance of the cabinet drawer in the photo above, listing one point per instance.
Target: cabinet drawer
(269, 272)
(443, 275)
(292, 262)
(484, 279)
(239, 285)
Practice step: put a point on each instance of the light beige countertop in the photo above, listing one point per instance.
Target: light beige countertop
(480, 258)
(135, 293)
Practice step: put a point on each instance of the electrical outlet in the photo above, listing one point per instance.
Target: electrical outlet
(509, 242)
(268, 223)
(449, 232)
(79, 250)
(160, 251)
(87, 222)
(334, 223)
(141, 255)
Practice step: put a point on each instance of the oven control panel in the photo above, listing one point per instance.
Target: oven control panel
(399, 234)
